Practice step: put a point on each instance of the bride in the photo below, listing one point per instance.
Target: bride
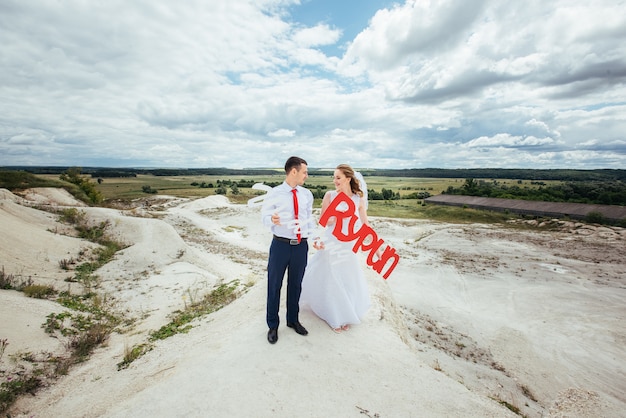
(334, 286)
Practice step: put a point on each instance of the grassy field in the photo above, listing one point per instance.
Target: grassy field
(131, 188)
(180, 186)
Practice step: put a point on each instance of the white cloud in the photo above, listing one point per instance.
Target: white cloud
(507, 140)
(426, 84)
(282, 133)
(316, 36)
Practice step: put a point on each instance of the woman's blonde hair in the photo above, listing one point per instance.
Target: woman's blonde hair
(355, 184)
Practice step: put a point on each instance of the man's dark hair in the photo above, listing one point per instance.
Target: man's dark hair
(294, 162)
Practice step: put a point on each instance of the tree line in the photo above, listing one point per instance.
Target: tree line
(463, 173)
(222, 187)
(592, 192)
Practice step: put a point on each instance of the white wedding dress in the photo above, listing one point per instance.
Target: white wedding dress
(334, 286)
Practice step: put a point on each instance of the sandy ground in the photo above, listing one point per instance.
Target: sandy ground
(474, 316)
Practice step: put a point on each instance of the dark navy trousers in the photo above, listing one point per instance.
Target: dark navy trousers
(292, 259)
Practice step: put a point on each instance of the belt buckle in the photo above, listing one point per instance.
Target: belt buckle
(293, 242)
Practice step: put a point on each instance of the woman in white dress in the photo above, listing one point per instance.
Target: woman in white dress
(334, 286)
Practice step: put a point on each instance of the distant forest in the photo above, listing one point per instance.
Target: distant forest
(465, 173)
(607, 192)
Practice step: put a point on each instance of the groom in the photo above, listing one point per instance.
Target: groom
(289, 249)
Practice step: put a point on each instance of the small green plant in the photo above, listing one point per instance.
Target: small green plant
(83, 344)
(6, 280)
(72, 216)
(38, 291)
(55, 322)
(62, 366)
(93, 233)
(11, 281)
(16, 386)
(65, 263)
(132, 354)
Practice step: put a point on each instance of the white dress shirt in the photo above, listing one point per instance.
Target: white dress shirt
(280, 200)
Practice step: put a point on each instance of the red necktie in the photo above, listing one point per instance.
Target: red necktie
(295, 211)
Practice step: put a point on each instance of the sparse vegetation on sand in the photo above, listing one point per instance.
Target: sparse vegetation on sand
(85, 326)
(181, 320)
(460, 269)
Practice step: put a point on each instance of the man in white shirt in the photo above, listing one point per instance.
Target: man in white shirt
(289, 248)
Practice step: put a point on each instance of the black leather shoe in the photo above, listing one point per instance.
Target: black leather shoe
(272, 335)
(297, 326)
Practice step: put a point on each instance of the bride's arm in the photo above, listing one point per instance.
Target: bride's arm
(317, 243)
(363, 213)
(325, 204)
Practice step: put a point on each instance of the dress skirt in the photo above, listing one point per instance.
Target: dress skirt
(334, 286)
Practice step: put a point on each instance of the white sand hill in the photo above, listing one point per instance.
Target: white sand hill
(474, 316)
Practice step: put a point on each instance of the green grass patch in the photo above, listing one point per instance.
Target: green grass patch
(17, 386)
(211, 302)
(84, 273)
(129, 188)
(87, 326)
(181, 320)
(411, 209)
(132, 354)
(38, 291)
(16, 180)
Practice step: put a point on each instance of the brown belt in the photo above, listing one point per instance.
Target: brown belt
(290, 241)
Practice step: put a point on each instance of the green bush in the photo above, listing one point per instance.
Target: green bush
(73, 175)
(595, 218)
(38, 291)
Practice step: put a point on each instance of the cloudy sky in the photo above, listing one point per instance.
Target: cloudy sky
(372, 83)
